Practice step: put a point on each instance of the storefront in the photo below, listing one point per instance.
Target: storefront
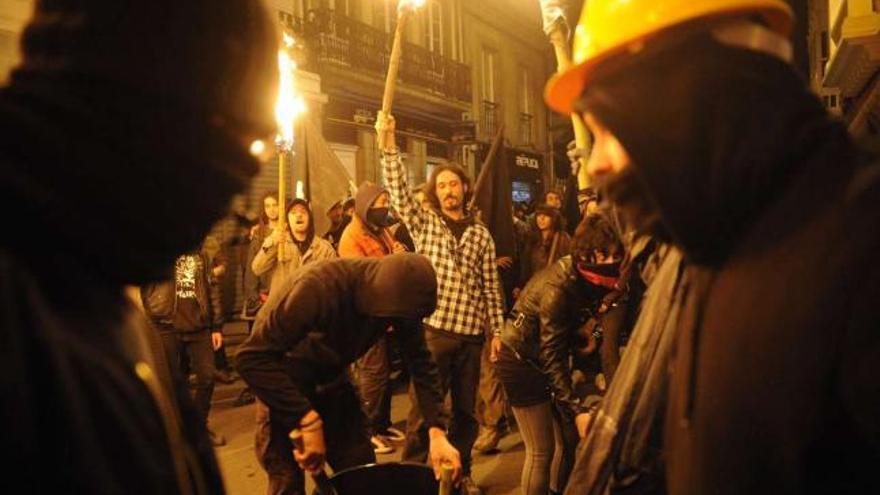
(526, 175)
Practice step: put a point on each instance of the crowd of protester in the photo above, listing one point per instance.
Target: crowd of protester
(707, 325)
(479, 373)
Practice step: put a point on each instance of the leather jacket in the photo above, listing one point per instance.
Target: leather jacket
(543, 324)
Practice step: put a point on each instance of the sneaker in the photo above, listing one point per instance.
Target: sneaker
(217, 440)
(393, 434)
(469, 487)
(380, 445)
(488, 439)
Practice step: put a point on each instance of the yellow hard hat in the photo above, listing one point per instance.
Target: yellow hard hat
(610, 27)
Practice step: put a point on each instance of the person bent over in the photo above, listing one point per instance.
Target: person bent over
(322, 319)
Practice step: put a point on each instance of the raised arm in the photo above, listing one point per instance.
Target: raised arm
(394, 172)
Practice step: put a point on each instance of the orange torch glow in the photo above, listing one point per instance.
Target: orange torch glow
(289, 106)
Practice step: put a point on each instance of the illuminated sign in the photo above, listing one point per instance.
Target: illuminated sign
(528, 162)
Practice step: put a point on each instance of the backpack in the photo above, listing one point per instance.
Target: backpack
(160, 300)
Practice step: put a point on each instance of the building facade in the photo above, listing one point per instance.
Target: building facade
(844, 50)
(467, 69)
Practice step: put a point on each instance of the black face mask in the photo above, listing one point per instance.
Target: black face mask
(379, 217)
(637, 211)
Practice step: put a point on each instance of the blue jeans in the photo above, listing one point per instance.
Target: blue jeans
(549, 448)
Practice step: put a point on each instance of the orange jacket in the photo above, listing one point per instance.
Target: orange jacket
(358, 242)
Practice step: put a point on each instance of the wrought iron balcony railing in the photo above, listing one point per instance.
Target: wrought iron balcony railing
(334, 40)
(489, 119)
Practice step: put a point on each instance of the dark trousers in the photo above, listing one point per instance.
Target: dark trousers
(373, 372)
(458, 362)
(221, 361)
(196, 349)
(345, 437)
(491, 403)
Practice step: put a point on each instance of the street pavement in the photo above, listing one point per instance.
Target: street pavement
(497, 473)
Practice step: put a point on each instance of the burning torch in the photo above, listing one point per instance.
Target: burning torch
(287, 108)
(404, 8)
(557, 29)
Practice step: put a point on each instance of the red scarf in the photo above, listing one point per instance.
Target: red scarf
(596, 279)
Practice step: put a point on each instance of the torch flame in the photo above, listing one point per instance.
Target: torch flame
(289, 104)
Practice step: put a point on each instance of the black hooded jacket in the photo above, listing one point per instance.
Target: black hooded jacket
(774, 385)
(326, 316)
(114, 160)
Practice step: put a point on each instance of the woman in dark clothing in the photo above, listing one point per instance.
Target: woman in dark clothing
(257, 287)
(534, 361)
(548, 243)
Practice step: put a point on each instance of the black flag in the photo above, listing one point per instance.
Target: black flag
(493, 199)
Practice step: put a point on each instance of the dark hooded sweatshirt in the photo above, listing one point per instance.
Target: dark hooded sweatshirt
(328, 315)
(774, 384)
(114, 161)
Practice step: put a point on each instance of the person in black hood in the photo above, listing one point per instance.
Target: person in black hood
(774, 357)
(320, 321)
(124, 133)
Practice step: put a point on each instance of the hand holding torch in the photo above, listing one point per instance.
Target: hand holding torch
(404, 8)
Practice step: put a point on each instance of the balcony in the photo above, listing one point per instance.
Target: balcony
(337, 41)
(489, 119)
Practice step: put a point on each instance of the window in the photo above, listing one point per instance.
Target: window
(455, 31)
(526, 91)
(384, 14)
(489, 117)
(823, 46)
(488, 74)
(347, 8)
(526, 118)
(434, 26)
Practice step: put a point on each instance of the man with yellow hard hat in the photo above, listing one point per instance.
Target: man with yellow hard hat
(766, 377)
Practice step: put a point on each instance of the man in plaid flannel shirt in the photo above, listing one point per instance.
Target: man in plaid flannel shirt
(469, 300)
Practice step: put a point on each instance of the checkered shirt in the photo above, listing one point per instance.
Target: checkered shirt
(468, 290)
